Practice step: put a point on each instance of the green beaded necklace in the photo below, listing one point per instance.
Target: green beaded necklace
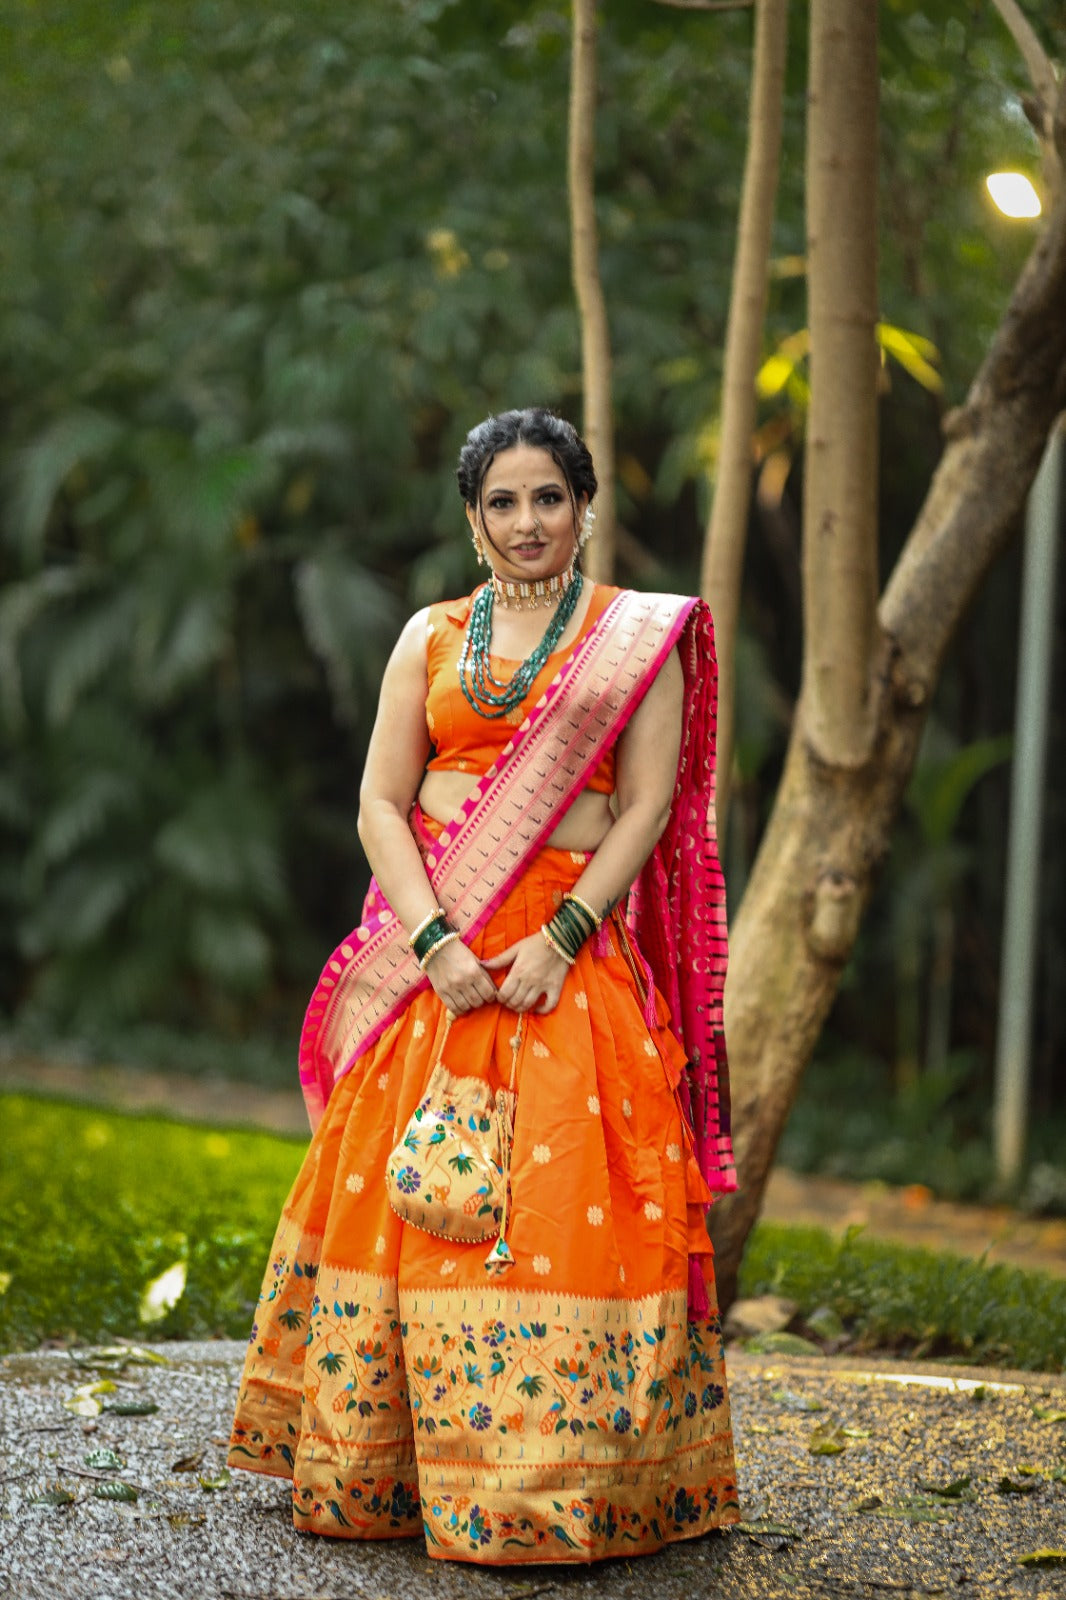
(492, 697)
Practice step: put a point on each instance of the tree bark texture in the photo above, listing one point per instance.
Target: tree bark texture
(840, 477)
(832, 821)
(592, 309)
(723, 551)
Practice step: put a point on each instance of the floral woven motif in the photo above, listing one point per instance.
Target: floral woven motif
(543, 1428)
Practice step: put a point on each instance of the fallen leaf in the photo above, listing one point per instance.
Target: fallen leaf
(1043, 1558)
(119, 1355)
(827, 1440)
(190, 1463)
(130, 1408)
(774, 1535)
(186, 1519)
(121, 1493)
(220, 1482)
(796, 1402)
(104, 1460)
(1049, 1414)
(163, 1293)
(918, 1508)
(1012, 1486)
(870, 1502)
(56, 1497)
(85, 1401)
(955, 1490)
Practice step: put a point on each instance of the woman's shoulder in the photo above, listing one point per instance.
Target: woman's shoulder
(641, 600)
(450, 611)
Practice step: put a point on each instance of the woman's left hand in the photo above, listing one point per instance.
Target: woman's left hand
(537, 974)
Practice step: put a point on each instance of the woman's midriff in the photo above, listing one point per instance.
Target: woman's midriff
(584, 827)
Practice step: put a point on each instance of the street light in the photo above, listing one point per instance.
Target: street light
(1014, 194)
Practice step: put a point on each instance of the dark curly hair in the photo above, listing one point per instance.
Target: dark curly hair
(533, 426)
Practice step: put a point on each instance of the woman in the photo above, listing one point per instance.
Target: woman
(542, 756)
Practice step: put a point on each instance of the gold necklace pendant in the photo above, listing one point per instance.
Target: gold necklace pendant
(521, 596)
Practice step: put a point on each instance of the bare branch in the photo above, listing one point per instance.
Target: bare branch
(1041, 72)
(994, 446)
(1058, 126)
(588, 288)
(723, 553)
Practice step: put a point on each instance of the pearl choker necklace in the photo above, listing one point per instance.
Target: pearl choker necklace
(530, 596)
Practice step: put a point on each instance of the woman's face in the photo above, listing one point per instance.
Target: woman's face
(526, 518)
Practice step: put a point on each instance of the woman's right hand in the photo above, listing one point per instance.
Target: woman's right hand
(459, 978)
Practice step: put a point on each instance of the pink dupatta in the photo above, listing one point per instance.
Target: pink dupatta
(677, 909)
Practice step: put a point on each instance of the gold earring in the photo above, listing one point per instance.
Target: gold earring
(479, 548)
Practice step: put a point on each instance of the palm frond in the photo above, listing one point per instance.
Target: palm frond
(229, 948)
(43, 467)
(177, 644)
(351, 621)
(21, 604)
(82, 814)
(78, 904)
(85, 650)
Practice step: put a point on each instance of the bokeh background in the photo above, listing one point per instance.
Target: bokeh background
(261, 266)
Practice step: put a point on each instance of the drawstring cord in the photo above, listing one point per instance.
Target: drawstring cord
(499, 1258)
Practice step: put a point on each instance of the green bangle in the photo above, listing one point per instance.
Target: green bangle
(436, 947)
(430, 937)
(580, 905)
(423, 925)
(568, 932)
(556, 949)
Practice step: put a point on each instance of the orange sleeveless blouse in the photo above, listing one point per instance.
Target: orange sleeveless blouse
(462, 740)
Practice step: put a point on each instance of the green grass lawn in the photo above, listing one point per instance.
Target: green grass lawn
(96, 1205)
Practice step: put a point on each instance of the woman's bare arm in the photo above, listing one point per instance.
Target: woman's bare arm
(395, 763)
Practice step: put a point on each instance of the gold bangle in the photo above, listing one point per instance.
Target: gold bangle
(423, 925)
(449, 938)
(553, 947)
(584, 906)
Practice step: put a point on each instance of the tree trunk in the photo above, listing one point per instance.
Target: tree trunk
(840, 475)
(723, 551)
(595, 335)
(832, 821)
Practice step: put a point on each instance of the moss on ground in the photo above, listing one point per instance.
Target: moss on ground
(97, 1204)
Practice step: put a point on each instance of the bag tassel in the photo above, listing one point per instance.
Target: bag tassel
(499, 1259)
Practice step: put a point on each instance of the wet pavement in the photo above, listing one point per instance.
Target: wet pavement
(857, 1479)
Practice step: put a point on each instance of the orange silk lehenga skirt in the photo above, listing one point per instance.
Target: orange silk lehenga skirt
(565, 1411)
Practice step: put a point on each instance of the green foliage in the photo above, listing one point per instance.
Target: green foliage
(260, 269)
(848, 1123)
(251, 298)
(97, 1205)
(912, 1300)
